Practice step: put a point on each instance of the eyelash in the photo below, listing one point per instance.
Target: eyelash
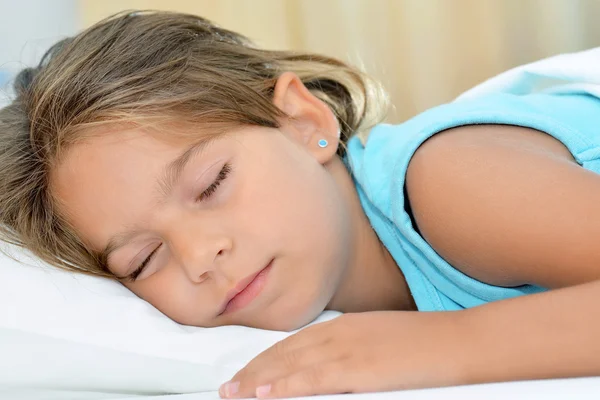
(134, 275)
(213, 187)
(203, 196)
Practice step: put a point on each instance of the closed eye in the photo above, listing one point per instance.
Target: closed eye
(223, 174)
(134, 275)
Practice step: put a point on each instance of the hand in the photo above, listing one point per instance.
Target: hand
(366, 352)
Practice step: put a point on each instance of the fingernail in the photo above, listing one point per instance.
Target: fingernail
(229, 389)
(262, 391)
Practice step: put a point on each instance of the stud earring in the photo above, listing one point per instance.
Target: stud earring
(322, 143)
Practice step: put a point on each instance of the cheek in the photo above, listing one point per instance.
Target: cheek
(315, 211)
(310, 220)
(290, 203)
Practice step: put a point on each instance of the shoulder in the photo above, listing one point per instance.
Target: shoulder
(500, 203)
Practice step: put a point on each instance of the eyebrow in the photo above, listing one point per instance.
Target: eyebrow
(168, 180)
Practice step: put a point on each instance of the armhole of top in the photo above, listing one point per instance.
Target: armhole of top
(408, 210)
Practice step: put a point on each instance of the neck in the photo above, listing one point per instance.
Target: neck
(372, 281)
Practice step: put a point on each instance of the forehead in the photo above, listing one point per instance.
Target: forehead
(108, 179)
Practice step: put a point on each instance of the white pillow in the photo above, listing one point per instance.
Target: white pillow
(61, 331)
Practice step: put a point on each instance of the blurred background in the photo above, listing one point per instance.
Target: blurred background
(426, 52)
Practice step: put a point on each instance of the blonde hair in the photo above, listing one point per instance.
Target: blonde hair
(147, 67)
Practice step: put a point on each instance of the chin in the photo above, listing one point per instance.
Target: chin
(291, 319)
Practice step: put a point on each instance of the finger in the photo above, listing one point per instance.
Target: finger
(246, 381)
(319, 379)
(282, 352)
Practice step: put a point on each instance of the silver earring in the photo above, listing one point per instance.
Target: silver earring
(322, 143)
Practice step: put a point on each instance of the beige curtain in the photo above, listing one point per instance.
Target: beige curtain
(425, 51)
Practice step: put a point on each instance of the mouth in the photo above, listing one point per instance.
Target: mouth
(246, 291)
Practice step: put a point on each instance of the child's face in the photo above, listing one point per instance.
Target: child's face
(246, 200)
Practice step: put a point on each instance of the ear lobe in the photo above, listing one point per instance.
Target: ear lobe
(310, 119)
(323, 147)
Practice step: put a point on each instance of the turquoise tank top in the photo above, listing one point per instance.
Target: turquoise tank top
(379, 170)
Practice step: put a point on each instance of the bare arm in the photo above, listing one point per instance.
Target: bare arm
(549, 335)
(508, 206)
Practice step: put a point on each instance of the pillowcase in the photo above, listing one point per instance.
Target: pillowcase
(61, 332)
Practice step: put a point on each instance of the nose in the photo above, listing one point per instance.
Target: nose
(201, 253)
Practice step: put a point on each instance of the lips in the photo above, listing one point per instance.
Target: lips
(245, 291)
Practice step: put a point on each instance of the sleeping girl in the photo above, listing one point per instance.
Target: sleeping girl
(231, 185)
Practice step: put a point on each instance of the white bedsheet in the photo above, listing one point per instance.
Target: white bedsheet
(567, 389)
(563, 73)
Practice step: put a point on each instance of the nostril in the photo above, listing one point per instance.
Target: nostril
(203, 277)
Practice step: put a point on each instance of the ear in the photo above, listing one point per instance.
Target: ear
(311, 120)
